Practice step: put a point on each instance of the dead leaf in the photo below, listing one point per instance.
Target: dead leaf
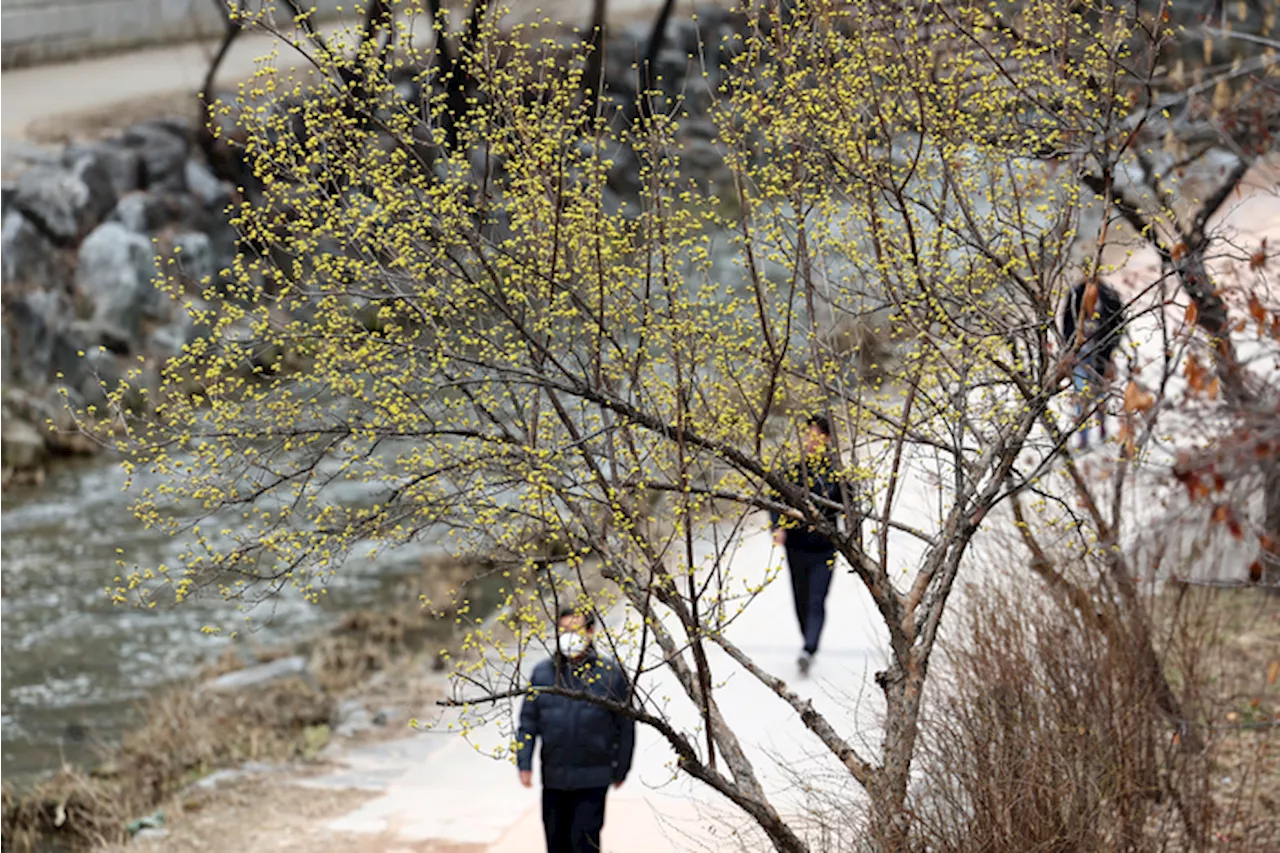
(1126, 437)
(1195, 374)
(1137, 400)
(1255, 571)
(1256, 311)
(1179, 250)
(1258, 259)
(1193, 314)
(1273, 671)
(1090, 298)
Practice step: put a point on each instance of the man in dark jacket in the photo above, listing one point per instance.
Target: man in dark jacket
(585, 745)
(1092, 321)
(810, 555)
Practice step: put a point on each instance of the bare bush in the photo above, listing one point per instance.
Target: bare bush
(1051, 739)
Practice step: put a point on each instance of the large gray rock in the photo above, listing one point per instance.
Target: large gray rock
(36, 408)
(69, 346)
(96, 175)
(21, 444)
(120, 163)
(686, 35)
(193, 257)
(8, 193)
(164, 152)
(101, 376)
(28, 256)
(6, 357)
(202, 183)
(84, 355)
(147, 213)
(57, 201)
(35, 319)
(116, 273)
(256, 676)
(224, 243)
(168, 340)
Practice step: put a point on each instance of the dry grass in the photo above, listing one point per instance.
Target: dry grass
(1050, 738)
(1235, 685)
(67, 811)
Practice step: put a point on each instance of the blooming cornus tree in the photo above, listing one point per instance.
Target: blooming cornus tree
(442, 323)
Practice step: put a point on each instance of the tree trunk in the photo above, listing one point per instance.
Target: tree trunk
(1270, 557)
(657, 36)
(593, 79)
(889, 827)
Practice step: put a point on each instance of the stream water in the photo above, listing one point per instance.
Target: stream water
(74, 664)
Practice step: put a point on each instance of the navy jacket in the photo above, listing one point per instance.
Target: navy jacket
(819, 480)
(1101, 333)
(584, 745)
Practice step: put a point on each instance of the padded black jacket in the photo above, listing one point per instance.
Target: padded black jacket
(584, 744)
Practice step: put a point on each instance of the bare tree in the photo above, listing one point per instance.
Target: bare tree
(526, 370)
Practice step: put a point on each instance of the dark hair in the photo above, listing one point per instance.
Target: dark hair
(821, 422)
(588, 619)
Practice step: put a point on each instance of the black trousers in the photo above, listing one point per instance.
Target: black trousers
(810, 582)
(573, 819)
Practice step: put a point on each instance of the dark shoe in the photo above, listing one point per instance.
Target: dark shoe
(804, 662)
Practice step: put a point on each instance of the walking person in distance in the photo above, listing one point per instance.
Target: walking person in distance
(586, 747)
(1092, 321)
(810, 555)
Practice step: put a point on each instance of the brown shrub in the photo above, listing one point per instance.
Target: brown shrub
(1050, 740)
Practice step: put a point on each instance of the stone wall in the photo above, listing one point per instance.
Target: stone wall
(35, 31)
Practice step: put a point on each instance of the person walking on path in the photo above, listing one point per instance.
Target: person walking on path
(810, 555)
(1092, 321)
(586, 746)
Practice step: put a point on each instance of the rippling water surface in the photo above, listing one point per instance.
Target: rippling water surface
(75, 665)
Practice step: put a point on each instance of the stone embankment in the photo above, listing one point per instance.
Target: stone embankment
(87, 229)
(89, 226)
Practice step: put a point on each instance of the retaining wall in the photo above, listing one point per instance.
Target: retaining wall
(37, 31)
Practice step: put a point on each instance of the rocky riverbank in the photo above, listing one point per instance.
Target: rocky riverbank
(90, 225)
(247, 714)
(87, 229)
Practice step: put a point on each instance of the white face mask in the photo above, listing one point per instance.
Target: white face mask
(572, 644)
